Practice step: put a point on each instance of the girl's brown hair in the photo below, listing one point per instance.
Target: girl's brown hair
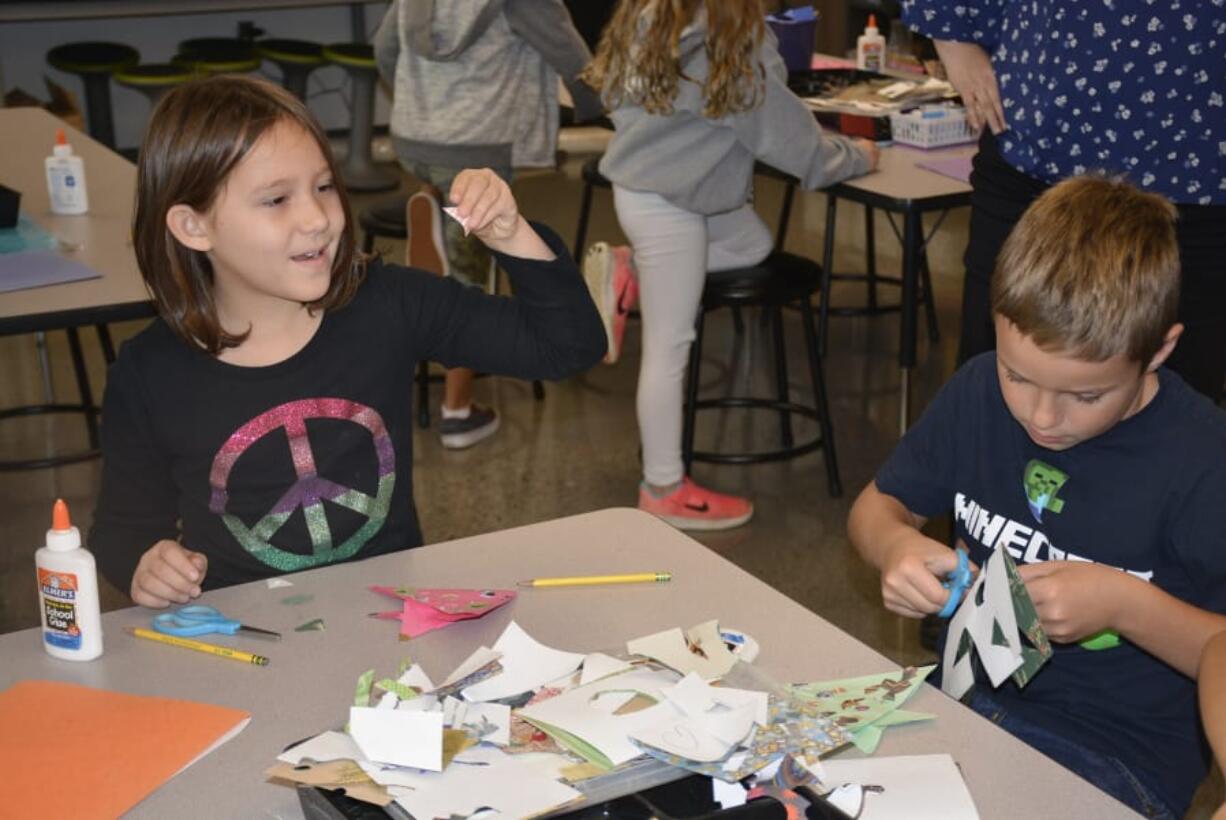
(198, 133)
(639, 54)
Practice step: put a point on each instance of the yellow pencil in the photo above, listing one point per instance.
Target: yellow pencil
(199, 646)
(588, 580)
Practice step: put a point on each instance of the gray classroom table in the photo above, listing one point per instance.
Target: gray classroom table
(309, 684)
(103, 235)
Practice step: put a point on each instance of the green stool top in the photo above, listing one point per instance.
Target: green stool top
(154, 75)
(92, 57)
(352, 55)
(296, 52)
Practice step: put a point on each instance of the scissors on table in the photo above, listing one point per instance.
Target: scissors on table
(956, 582)
(198, 619)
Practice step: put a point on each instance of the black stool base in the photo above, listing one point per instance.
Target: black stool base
(14, 465)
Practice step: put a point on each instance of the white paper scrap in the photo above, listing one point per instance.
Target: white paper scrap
(915, 787)
(979, 620)
(482, 656)
(598, 665)
(575, 712)
(398, 736)
(278, 583)
(700, 649)
(416, 677)
(526, 665)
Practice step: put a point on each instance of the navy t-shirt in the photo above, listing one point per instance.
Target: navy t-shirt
(1148, 497)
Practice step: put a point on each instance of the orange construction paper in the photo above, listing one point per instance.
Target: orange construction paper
(72, 751)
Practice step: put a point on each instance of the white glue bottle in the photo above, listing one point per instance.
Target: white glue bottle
(870, 47)
(68, 592)
(66, 179)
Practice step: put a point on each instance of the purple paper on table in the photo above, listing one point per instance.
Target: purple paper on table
(958, 168)
(34, 269)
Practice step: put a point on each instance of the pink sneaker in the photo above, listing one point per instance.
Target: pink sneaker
(609, 273)
(690, 507)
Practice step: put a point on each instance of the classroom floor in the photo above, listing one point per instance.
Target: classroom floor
(577, 449)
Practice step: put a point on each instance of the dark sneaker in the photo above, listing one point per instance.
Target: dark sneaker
(456, 434)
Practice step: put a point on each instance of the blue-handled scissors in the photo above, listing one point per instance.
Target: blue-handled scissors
(956, 582)
(198, 619)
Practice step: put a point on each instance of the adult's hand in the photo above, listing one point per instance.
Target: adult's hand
(970, 71)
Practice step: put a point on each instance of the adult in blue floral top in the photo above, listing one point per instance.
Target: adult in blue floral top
(1131, 87)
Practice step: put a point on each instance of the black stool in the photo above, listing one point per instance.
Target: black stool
(95, 63)
(296, 59)
(359, 171)
(870, 276)
(154, 79)
(390, 219)
(217, 55)
(781, 280)
(86, 407)
(592, 178)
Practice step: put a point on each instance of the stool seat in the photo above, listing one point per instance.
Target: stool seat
(352, 55)
(94, 62)
(592, 176)
(384, 219)
(297, 52)
(92, 57)
(154, 75)
(779, 279)
(215, 45)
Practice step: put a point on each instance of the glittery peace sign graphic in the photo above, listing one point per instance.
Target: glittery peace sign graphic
(310, 490)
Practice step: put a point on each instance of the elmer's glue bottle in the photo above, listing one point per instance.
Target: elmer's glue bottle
(66, 179)
(68, 592)
(870, 47)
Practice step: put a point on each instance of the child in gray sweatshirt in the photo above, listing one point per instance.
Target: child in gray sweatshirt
(697, 92)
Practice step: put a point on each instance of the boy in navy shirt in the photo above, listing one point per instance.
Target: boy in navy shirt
(1104, 476)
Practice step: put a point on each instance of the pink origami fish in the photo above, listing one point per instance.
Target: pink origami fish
(428, 609)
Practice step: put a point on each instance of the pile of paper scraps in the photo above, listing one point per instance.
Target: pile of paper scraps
(516, 727)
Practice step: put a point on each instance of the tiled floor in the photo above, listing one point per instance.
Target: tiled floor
(577, 449)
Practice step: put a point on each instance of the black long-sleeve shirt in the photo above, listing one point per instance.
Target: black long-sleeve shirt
(309, 461)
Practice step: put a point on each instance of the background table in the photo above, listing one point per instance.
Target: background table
(103, 235)
(900, 186)
(308, 686)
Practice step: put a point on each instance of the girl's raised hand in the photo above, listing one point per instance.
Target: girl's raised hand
(484, 204)
(485, 207)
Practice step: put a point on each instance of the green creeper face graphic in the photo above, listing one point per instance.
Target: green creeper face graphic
(1042, 482)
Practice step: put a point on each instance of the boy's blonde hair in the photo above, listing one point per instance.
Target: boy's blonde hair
(1092, 268)
(639, 57)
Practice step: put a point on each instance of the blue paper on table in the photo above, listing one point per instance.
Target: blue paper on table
(795, 30)
(27, 235)
(34, 269)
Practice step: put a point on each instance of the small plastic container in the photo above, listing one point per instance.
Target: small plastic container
(932, 126)
(66, 179)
